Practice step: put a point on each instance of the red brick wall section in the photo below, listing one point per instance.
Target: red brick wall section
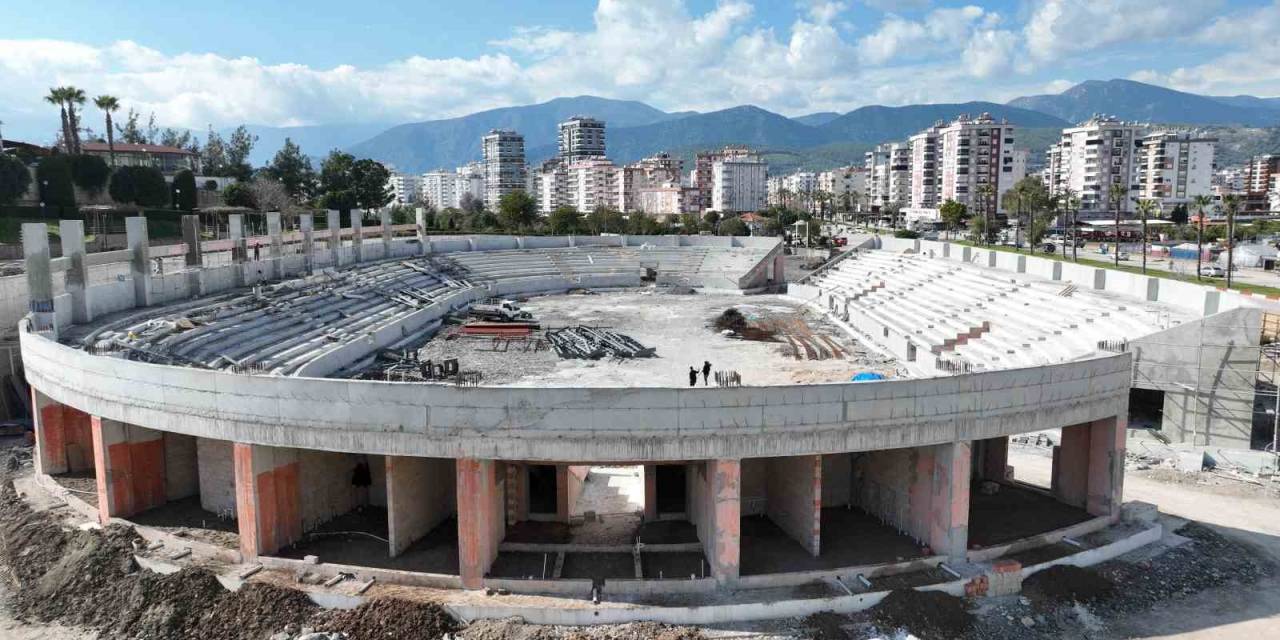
(129, 467)
(267, 500)
(53, 439)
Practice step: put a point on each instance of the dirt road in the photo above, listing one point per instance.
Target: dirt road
(1222, 614)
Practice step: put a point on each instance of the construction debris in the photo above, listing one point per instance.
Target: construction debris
(589, 343)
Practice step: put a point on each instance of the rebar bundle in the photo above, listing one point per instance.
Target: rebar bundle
(588, 343)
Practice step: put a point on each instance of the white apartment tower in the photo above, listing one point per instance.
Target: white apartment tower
(1091, 158)
(592, 183)
(504, 169)
(889, 175)
(977, 159)
(581, 138)
(926, 182)
(739, 183)
(446, 189)
(1174, 168)
(404, 187)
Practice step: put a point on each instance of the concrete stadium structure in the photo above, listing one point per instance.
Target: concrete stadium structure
(229, 382)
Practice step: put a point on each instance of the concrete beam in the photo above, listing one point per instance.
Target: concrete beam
(129, 464)
(77, 278)
(480, 523)
(267, 498)
(139, 242)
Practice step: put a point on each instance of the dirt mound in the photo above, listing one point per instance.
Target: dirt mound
(1064, 583)
(509, 629)
(928, 614)
(386, 618)
(731, 319)
(636, 631)
(256, 611)
(826, 625)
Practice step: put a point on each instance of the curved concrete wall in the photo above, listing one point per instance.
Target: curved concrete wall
(590, 424)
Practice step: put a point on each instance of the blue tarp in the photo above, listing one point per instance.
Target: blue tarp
(867, 376)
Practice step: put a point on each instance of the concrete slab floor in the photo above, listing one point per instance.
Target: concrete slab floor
(599, 567)
(612, 490)
(187, 517)
(609, 529)
(1016, 512)
(673, 566)
(668, 532)
(437, 552)
(850, 537)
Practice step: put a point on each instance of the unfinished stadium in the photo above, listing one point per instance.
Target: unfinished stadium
(288, 392)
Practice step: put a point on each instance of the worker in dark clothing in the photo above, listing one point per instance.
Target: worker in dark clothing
(706, 372)
(693, 377)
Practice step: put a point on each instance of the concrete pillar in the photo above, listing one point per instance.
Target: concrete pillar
(333, 219)
(276, 234)
(35, 254)
(357, 234)
(1106, 466)
(1070, 477)
(420, 221)
(517, 492)
(650, 493)
(480, 523)
(135, 229)
(235, 227)
(308, 242)
(793, 486)
(64, 439)
(191, 238)
(569, 481)
(267, 498)
(385, 215)
(420, 495)
(994, 457)
(72, 232)
(129, 462)
(949, 506)
(724, 546)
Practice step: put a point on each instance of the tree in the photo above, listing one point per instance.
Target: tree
(471, 204)
(565, 221)
(1117, 193)
(213, 158)
(184, 190)
(54, 177)
(269, 194)
(337, 188)
(75, 98)
(953, 215)
(1028, 197)
(517, 210)
(90, 173)
(239, 146)
(177, 139)
(131, 133)
(141, 186)
(1146, 207)
(109, 104)
(733, 227)
(1200, 202)
(238, 195)
(894, 211)
(604, 220)
(293, 170)
(690, 223)
(15, 179)
(1070, 205)
(58, 96)
(1179, 216)
(642, 224)
(369, 179)
(1232, 204)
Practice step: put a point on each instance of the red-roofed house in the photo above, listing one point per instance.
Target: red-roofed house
(169, 160)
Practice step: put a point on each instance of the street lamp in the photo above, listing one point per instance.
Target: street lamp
(177, 198)
(44, 193)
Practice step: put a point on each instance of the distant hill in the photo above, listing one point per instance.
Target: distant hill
(817, 119)
(316, 141)
(1130, 100)
(877, 124)
(421, 146)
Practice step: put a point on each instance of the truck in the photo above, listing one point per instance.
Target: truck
(500, 310)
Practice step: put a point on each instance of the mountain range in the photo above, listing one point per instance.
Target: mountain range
(636, 130)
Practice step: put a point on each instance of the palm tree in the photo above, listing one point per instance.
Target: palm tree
(58, 96)
(1232, 204)
(1117, 192)
(1200, 202)
(984, 198)
(1146, 207)
(75, 98)
(109, 104)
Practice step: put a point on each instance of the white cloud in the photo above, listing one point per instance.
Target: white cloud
(942, 30)
(898, 5)
(989, 52)
(1060, 27)
(1249, 66)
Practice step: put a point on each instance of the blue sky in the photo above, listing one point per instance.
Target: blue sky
(326, 61)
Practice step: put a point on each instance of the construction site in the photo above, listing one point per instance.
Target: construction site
(627, 431)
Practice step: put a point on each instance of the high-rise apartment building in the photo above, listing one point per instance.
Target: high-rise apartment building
(1093, 157)
(593, 183)
(739, 183)
(978, 163)
(652, 185)
(847, 185)
(1257, 177)
(926, 181)
(702, 175)
(1174, 168)
(404, 187)
(504, 168)
(889, 175)
(581, 138)
(447, 189)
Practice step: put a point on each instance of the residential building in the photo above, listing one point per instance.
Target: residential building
(592, 183)
(701, 176)
(1258, 175)
(169, 160)
(1092, 157)
(1229, 180)
(504, 168)
(739, 183)
(581, 138)
(652, 185)
(551, 185)
(888, 168)
(446, 189)
(978, 163)
(844, 183)
(926, 181)
(1175, 167)
(404, 187)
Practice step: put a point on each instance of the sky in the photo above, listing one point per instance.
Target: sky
(335, 61)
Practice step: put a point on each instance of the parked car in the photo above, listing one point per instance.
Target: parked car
(1212, 271)
(1049, 247)
(1124, 255)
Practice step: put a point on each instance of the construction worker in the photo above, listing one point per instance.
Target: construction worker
(706, 372)
(693, 377)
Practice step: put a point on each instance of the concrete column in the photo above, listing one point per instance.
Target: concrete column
(308, 242)
(724, 547)
(64, 440)
(191, 238)
(949, 506)
(275, 233)
(650, 493)
(235, 226)
(129, 464)
(72, 232)
(517, 492)
(385, 215)
(420, 495)
(569, 481)
(1106, 466)
(357, 234)
(333, 219)
(35, 254)
(420, 221)
(267, 498)
(994, 456)
(793, 486)
(135, 229)
(1070, 477)
(480, 523)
